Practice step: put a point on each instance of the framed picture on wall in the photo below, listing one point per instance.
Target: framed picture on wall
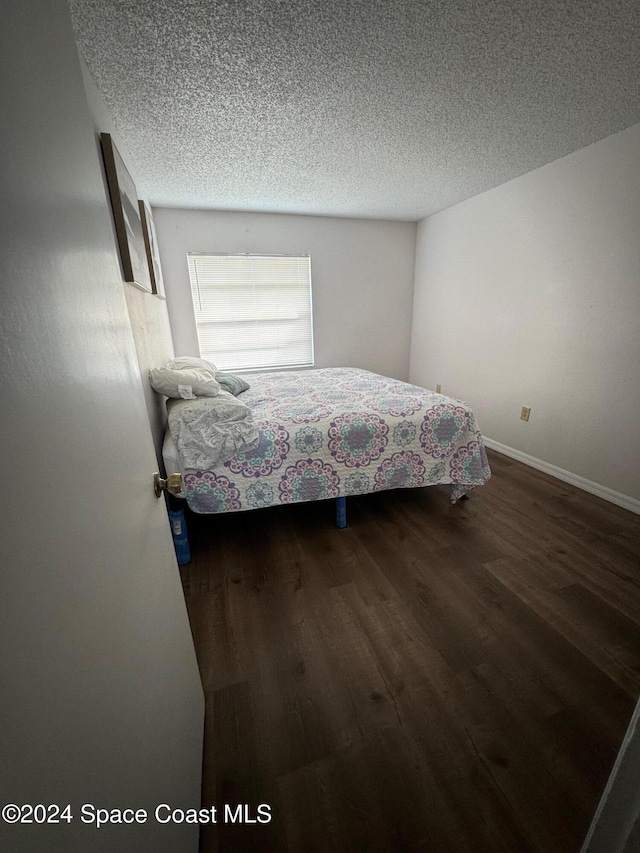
(151, 245)
(126, 216)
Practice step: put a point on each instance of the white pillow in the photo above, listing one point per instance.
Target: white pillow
(184, 383)
(187, 362)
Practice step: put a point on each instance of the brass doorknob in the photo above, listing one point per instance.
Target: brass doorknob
(172, 484)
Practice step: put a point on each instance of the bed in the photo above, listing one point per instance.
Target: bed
(336, 432)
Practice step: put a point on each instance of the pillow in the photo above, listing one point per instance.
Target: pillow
(187, 362)
(233, 384)
(184, 383)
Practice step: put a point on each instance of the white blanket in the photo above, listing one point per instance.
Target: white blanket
(210, 430)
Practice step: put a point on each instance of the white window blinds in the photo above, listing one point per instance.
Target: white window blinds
(253, 311)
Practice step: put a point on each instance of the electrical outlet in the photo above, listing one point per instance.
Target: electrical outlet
(438, 389)
(524, 414)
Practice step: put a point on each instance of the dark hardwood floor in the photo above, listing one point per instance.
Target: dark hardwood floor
(432, 678)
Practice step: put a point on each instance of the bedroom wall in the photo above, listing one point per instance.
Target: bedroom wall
(529, 295)
(362, 278)
(101, 701)
(147, 312)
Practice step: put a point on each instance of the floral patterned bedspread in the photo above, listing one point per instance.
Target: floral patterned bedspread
(342, 431)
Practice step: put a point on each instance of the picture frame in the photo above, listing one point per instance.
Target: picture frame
(126, 217)
(151, 246)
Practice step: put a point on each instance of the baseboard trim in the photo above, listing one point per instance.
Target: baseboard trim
(607, 494)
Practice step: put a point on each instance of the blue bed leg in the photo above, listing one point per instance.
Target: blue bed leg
(180, 536)
(341, 512)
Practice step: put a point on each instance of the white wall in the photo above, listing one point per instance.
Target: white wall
(100, 698)
(362, 278)
(529, 295)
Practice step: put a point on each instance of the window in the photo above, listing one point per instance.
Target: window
(253, 311)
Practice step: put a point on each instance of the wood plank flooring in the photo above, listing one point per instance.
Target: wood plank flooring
(432, 678)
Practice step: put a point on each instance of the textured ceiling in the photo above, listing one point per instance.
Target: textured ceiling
(373, 108)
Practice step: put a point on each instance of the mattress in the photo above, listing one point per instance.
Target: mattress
(337, 432)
